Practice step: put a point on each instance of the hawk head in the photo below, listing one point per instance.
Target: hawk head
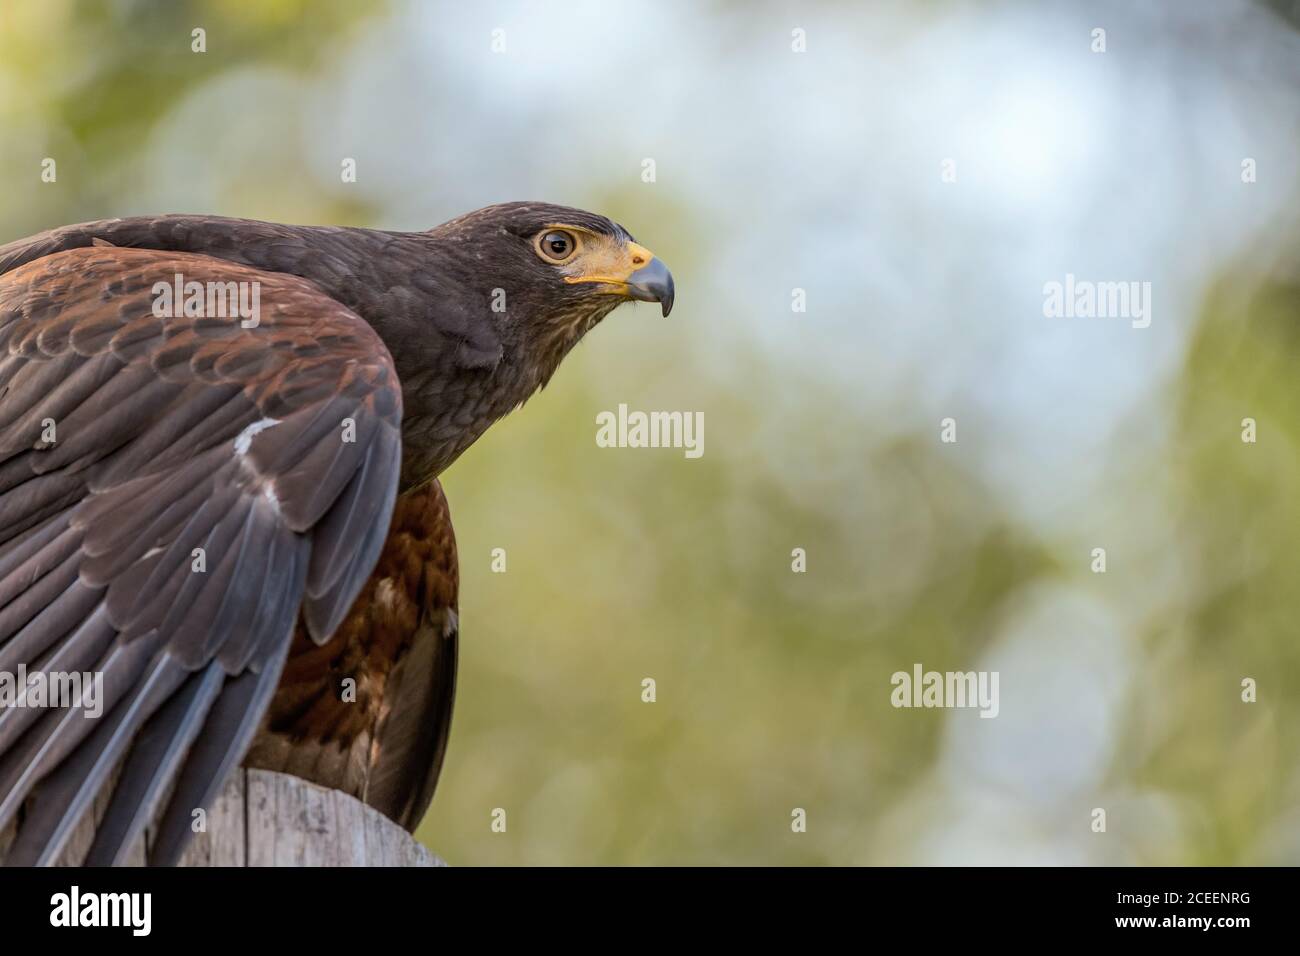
(551, 271)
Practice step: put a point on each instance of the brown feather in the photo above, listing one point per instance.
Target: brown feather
(180, 432)
(103, 580)
(381, 737)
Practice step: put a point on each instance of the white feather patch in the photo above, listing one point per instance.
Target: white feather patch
(245, 438)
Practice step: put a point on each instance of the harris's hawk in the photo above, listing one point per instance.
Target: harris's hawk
(219, 448)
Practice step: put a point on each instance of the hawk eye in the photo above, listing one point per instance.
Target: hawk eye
(557, 245)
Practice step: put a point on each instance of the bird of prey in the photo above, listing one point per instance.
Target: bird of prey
(233, 514)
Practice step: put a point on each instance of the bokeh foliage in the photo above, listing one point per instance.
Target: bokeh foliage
(773, 688)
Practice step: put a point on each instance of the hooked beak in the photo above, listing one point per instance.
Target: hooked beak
(626, 269)
(652, 283)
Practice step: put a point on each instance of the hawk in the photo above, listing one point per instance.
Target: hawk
(220, 442)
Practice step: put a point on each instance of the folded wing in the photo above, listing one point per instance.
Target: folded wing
(174, 489)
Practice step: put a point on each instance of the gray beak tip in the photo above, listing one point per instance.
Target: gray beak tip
(653, 283)
(667, 301)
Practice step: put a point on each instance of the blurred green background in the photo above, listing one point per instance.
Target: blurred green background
(820, 171)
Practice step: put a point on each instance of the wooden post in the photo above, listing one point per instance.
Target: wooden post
(271, 819)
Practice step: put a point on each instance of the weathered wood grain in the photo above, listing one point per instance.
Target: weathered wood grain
(272, 819)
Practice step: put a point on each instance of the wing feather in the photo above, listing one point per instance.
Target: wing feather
(274, 449)
(155, 759)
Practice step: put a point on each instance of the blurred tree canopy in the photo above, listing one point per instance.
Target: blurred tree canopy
(772, 687)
